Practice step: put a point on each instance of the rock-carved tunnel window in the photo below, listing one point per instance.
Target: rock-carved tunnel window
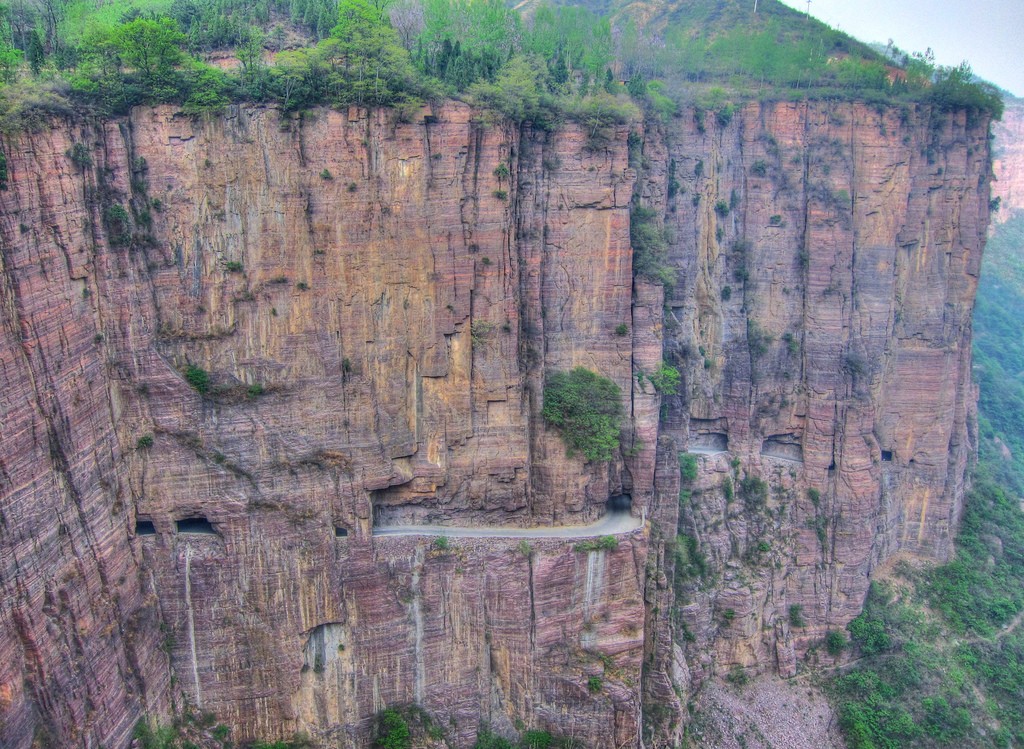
(324, 647)
(784, 447)
(620, 503)
(195, 525)
(887, 456)
(709, 442)
(340, 532)
(145, 528)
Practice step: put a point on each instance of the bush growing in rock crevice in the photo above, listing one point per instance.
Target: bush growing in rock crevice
(587, 409)
(650, 246)
(198, 378)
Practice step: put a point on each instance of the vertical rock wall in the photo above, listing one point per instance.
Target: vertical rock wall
(377, 304)
(827, 258)
(1008, 161)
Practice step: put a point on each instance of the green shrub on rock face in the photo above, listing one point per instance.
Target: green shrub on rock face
(666, 380)
(650, 246)
(603, 543)
(796, 616)
(754, 492)
(587, 410)
(392, 731)
(835, 643)
(198, 378)
(119, 227)
(687, 468)
(536, 740)
(487, 740)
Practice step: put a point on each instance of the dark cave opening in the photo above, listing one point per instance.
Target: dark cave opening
(620, 503)
(195, 525)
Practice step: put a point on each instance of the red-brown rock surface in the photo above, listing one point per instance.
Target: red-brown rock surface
(377, 304)
(1008, 160)
(827, 259)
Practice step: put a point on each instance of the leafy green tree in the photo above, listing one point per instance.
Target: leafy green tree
(392, 731)
(36, 54)
(518, 92)
(955, 88)
(99, 78)
(300, 78)
(370, 65)
(255, 76)
(208, 87)
(151, 47)
(601, 113)
(10, 59)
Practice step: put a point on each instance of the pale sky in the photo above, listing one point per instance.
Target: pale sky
(989, 34)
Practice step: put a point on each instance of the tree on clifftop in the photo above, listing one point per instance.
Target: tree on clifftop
(371, 65)
(152, 47)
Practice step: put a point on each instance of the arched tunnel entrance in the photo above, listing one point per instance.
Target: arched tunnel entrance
(620, 503)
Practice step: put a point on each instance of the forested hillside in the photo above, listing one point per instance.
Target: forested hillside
(553, 63)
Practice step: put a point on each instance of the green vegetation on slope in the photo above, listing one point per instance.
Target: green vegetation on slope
(943, 652)
(781, 52)
(999, 354)
(560, 62)
(109, 57)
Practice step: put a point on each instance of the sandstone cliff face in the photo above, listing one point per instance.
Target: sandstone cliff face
(827, 260)
(1008, 160)
(374, 280)
(378, 304)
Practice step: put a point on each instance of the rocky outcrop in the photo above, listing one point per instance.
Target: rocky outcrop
(372, 307)
(376, 304)
(827, 259)
(1008, 160)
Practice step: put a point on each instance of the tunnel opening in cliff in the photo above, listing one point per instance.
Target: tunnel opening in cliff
(783, 447)
(620, 503)
(887, 456)
(145, 528)
(709, 443)
(708, 436)
(197, 525)
(340, 532)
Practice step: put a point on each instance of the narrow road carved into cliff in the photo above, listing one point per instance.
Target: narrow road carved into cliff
(611, 524)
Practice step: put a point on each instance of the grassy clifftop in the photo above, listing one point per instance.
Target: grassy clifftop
(538, 66)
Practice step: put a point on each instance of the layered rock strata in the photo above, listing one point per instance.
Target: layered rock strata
(1008, 161)
(370, 308)
(827, 259)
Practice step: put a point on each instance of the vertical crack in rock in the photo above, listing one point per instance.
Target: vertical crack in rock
(593, 585)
